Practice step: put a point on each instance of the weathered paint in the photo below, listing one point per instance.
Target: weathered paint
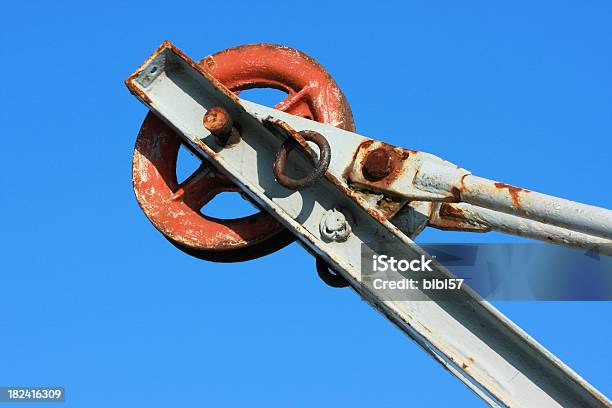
(311, 91)
(467, 217)
(536, 206)
(175, 210)
(513, 191)
(449, 217)
(503, 364)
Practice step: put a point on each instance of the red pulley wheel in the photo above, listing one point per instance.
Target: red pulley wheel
(174, 208)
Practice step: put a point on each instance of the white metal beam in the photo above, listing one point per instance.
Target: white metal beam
(468, 336)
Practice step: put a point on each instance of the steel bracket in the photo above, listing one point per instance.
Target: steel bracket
(465, 334)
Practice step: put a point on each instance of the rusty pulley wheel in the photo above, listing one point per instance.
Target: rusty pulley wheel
(174, 208)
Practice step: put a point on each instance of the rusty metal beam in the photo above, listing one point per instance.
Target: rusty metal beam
(468, 336)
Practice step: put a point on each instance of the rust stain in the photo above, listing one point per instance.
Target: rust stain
(389, 207)
(346, 174)
(129, 82)
(396, 157)
(377, 164)
(138, 93)
(208, 62)
(451, 218)
(470, 362)
(513, 191)
(462, 182)
(382, 165)
(448, 210)
(455, 196)
(136, 73)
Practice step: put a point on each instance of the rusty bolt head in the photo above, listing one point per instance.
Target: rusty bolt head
(217, 121)
(377, 164)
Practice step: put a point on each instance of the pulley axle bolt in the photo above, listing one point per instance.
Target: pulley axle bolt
(376, 165)
(218, 122)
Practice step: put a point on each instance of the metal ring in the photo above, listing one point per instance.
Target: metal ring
(316, 174)
(329, 276)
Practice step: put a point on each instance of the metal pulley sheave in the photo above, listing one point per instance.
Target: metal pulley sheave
(174, 208)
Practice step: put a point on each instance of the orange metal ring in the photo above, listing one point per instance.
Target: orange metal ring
(174, 209)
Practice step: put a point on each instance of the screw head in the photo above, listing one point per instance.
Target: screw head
(377, 164)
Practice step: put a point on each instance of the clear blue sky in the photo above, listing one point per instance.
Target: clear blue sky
(95, 299)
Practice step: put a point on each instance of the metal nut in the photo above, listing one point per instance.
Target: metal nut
(334, 227)
(218, 122)
(377, 165)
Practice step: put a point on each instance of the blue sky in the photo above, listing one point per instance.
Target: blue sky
(95, 300)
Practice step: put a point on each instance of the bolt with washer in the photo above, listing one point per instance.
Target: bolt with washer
(334, 227)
